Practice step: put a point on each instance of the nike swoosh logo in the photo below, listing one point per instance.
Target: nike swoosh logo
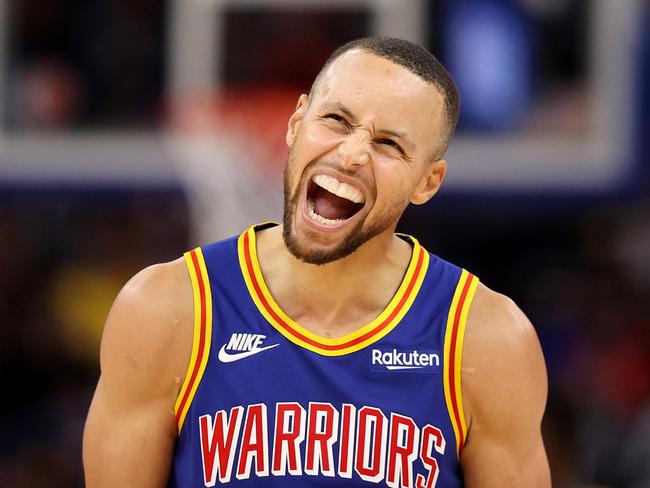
(226, 357)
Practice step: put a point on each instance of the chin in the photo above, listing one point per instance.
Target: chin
(313, 250)
(310, 251)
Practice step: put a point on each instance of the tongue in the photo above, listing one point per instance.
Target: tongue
(331, 207)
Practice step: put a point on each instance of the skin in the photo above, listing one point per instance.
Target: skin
(345, 126)
(130, 431)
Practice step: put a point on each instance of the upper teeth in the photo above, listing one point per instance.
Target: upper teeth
(339, 188)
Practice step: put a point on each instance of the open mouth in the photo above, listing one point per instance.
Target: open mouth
(331, 202)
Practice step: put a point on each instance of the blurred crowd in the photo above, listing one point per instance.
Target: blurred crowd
(84, 64)
(63, 258)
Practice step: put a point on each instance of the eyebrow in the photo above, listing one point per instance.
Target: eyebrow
(348, 112)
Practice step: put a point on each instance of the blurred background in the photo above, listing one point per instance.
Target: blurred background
(132, 130)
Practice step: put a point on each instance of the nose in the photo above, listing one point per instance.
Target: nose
(354, 149)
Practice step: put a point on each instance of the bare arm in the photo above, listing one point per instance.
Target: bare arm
(504, 389)
(131, 430)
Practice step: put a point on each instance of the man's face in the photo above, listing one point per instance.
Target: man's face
(361, 149)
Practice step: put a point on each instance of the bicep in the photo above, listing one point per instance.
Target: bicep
(127, 444)
(504, 390)
(493, 462)
(131, 427)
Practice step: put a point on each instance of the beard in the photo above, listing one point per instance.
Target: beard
(355, 238)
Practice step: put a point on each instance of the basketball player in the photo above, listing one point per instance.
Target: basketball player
(327, 351)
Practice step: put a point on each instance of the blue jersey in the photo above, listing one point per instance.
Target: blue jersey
(268, 403)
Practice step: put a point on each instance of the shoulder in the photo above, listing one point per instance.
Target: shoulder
(503, 369)
(158, 282)
(495, 321)
(148, 334)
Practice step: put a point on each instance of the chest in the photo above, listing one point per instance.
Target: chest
(277, 405)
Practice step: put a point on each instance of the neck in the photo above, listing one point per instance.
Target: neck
(350, 291)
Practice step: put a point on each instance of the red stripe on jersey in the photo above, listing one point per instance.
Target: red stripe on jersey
(201, 351)
(452, 360)
(329, 347)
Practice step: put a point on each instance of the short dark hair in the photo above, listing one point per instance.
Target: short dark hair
(417, 60)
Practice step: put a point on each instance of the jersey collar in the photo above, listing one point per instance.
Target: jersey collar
(354, 341)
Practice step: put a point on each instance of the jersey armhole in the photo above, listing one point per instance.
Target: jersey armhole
(202, 333)
(453, 353)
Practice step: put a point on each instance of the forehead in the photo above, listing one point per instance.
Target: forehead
(376, 89)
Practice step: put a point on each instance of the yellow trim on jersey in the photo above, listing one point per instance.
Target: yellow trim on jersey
(360, 338)
(453, 352)
(202, 333)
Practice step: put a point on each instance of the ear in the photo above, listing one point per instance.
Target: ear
(296, 118)
(430, 182)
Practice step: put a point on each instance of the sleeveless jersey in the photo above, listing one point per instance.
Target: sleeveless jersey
(268, 403)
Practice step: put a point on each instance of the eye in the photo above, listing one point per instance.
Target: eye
(336, 118)
(336, 123)
(391, 143)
